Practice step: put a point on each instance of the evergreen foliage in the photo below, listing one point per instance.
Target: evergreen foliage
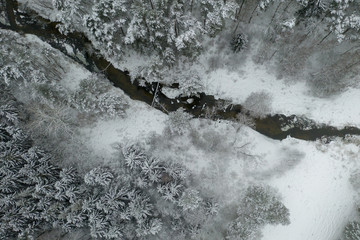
(260, 206)
(140, 199)
(238, 42)
(352, 231)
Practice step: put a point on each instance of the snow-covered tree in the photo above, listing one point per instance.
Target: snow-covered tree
(98, 176)
(107, 22)
(67, 9)
(179, 122)
(190, 200)
(238, 42)
(51, 120)
(259, 206)
(345, 19)
(95, 97)
(352, 231)
(312, 8)
(263, 4)
(28, 186)
(215, 13)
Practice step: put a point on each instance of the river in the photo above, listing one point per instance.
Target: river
(274, 126)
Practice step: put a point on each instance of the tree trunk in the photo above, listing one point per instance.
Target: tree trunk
(253, 12)
(273, 17)
(10, 8)
(154, 98)
(236, 27)
(176, 29)
(287, 6)
(308, 33)
(349, 50)
(346, 68)
(272, 55)
(151, 3)
(238, 14)
(324, 38)
(146, 26)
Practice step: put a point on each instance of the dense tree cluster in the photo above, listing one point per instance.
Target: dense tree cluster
(174, 32)
(38, 72)
(172, 29)
(259, 206)
(181, 207)
(175, 27)
(144, 197)
(95, 97)
(32, 190)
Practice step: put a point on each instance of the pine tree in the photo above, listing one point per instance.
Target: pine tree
(67, 10)
(260, 206)
(238, 42)
(179, 122)
(352, 231)
(98, 176)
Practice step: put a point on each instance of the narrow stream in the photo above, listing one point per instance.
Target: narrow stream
(276, 126)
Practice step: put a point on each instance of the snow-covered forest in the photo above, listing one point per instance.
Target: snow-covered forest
(180, 119)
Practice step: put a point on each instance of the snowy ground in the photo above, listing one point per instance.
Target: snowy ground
(312, 177)
(317, 192)
(288, 98)
(141, 121)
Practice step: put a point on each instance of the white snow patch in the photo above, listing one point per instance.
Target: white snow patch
(44, 8)
(317, 192)
(74, 75)
(74, 72)
(69, 49)
(312, 178)
(288, 98)
(140, 121)
(171, 92)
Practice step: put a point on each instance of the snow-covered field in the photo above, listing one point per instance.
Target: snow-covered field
(288, 98)
(317, 192)
(141, 121)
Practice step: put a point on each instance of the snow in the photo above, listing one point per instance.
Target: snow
(316, 191)
(74, 75)
(69, 49)
(74, 72)
(140, 122)
(288, 98)
(43, 7)
(312, 177)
